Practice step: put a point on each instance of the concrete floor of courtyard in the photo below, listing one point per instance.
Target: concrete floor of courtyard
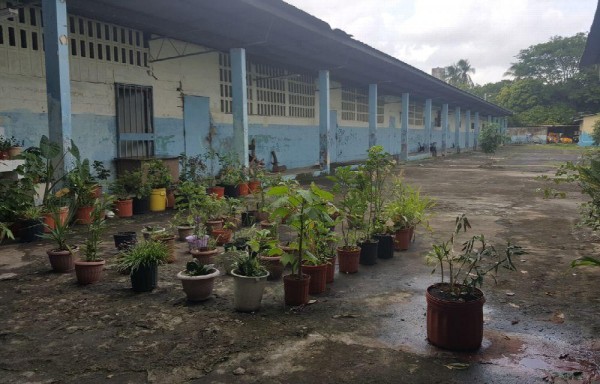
(542, 322)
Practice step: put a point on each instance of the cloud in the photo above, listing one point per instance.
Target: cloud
(434, 33)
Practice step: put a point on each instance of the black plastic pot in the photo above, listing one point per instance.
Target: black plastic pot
(231, 191)
(145, 278)
(385, 249)
(248, 218)
(368, 252)
(31, 230)
(141, 206)
(124, 240)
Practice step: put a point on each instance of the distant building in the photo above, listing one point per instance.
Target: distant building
(586, 126)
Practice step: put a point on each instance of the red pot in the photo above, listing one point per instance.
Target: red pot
(63, 214)
(253, 186)
(204, 257)
(89, 272)
(170, 199)
(296, 289)
(402, 239)
(222, 235)
(348, 259)
(219, 191)
(273, 265)
(318, 278)
(243, 189)
(124, 208)
(454, 325)
(83, 215)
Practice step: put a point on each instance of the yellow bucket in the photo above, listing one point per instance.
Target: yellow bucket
(158, 199)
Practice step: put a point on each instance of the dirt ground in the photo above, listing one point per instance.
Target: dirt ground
(542, 322)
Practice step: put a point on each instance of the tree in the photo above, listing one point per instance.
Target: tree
(458, 74)
(490, 91)
(596, 132)
(552, 62)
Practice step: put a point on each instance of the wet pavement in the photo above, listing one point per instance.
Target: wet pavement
(542, 322)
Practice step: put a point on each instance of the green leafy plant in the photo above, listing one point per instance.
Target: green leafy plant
(490, 137)
(101, 172)
(248, 264)
(143, 254)
(352, 204)
(61, 231)
(96, 228)
(158, 175)
(231, 172)
(190, 199)
(5, 232)
(263, 243)
(596, 132)
(132, 182)
(195, 268)
(299, 207)
(407, 207)
(192, 168)
(467, 268)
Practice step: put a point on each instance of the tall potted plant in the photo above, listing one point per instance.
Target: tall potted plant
(299, 206)
(159, 179)
(316, 259)
(375, 173)
(134, 184)
(143, 259)
(352, 206)
(89, 269)
(190, 199)
(263, 244)
(455, 306)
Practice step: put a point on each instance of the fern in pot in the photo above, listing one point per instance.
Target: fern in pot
(143, 260)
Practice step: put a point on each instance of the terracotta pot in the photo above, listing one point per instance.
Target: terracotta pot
(222, 235)
(385, 249)
(13, 152)
(170, 199)
(184, 231)
(124, 208)
(296, 289)
(331, 269)
(318, 278)
(253, 186)
(273, 265)
(216, 190)
(454, 325)
(4, 155)
(368, 252)
(243, 189)
(204, 257)
(144, 278)
(402, 239)
(48, 217)
(169, 241)
(198, 288)
(214, 224)
(83, 215)
(62, 261)
(88, 272)
(348, 259)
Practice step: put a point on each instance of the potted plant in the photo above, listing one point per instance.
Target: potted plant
(89, 269)
(150, 230)
(317, 258)
(230, 175)
(125, 239)
(212, 210)
(299, 206)
(32, 224)
(143, 260)
(223, 235)
(4, 147)
(123, 203)
(159, 179)
(101, 173)
(249, 280)
(82, 186)
(212, 158)
(138, 189)
(352, 206)
(191, 197)
(15, 147)
(201, 245)
(168, 239)
(62, 256)
(198, 280)
(265, 246)
(57, 206)
(455, 306)
(375, 173)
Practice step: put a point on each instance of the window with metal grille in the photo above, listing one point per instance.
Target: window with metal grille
(135, 121)
(415, 115)
(355, 104)
(270, 90)
(301, 100)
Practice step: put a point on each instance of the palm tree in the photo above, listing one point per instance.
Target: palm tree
(458, 74)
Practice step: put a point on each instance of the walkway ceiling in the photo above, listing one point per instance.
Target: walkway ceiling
(274, 31)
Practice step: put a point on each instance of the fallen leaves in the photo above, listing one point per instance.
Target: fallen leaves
(458, 366)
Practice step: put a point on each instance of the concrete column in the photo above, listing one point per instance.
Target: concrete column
(467, 129)
(240, 103)
(372, 114)
(444, 128)
(477, 128)
(428, 125)
(324, 125)
(404, 127)
(58, 86)
(457, 128)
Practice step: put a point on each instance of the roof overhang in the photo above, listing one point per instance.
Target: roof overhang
(591, 54)
(274, 31)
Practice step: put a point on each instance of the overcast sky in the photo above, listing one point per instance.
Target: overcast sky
(437, 33)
